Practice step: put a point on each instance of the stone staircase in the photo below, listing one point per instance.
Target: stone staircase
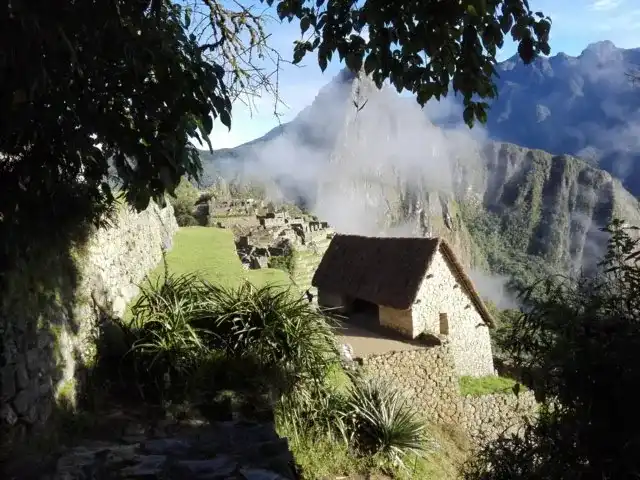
(225, 441)
(224, 450)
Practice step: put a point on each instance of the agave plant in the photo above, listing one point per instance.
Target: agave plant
(383, 422)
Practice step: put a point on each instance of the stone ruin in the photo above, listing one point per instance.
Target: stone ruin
(207, 208)
(278, 235)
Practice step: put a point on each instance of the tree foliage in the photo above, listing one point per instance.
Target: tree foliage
(580, 341)
(99, 93)
(427, 47)
(101, 90)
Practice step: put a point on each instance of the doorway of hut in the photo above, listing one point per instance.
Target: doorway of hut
(364, 313)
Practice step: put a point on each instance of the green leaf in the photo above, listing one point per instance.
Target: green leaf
(322, 61)
(370, 63)
(298, 53)
(207, 123)
(187, 17)
(225, 118)
(354, 61)
(305, 23)
(526, 50)
(468, 115)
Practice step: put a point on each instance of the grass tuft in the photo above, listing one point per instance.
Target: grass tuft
(478, 386)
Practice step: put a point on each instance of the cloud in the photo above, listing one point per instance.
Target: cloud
(605, 5)
(494, 287)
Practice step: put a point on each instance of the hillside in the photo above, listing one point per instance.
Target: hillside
(584, 105)
(369, 162)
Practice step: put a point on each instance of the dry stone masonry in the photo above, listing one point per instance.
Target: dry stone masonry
(486, 417)
(280, 235)
(44, 342)
(428, 377)
(441, 294)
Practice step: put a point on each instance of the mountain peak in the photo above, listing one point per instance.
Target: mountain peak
(601, 47)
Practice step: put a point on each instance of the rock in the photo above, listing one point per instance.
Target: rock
(7, 382)
(7, 415)
(118, 307)
(224, 450)
(22, 401)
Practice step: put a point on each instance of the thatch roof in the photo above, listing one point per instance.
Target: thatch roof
(387, 271)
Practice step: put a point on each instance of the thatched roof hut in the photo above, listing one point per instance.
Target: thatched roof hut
(387, 270)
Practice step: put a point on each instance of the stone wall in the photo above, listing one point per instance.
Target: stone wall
(307, 257)
(428, 377)
(398, 320)
(467, 332)
(49, 315)
(488, 416)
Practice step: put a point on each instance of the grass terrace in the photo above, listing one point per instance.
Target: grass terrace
(478, 386)
(210, 253)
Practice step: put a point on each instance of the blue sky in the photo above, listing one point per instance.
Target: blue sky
(576, 23)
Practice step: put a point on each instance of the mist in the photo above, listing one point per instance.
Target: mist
(357, 150)
(367, 160)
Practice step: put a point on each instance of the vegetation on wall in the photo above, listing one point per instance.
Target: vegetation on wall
(478, 386)
(284, 262)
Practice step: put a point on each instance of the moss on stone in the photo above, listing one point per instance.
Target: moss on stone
(65, 395)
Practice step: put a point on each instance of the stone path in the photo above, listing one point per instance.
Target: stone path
(192, 448)
(226, 450)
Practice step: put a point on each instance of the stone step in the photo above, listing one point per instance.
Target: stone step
(224, 450)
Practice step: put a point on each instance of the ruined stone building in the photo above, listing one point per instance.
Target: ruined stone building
(412, 285)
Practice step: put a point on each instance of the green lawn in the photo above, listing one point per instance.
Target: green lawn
(210, 252)
(477, 386)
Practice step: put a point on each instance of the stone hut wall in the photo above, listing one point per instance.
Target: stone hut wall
(398, 320)
(428, 378)
(48, 331)
(468, 333)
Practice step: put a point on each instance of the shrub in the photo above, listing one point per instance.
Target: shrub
(180, 323)
(165, 347)
(272, 324)
(283, 262)
(186, 220)
(186, 196)
(381, 421)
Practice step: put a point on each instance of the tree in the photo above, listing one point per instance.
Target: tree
(99, 90)
(580, 340)
(427, 47)
(186, 196)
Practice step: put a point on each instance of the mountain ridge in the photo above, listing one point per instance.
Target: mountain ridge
(515, 211)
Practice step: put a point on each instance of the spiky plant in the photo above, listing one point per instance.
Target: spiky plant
(271, 324)
(165, 347)
(383, 422)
